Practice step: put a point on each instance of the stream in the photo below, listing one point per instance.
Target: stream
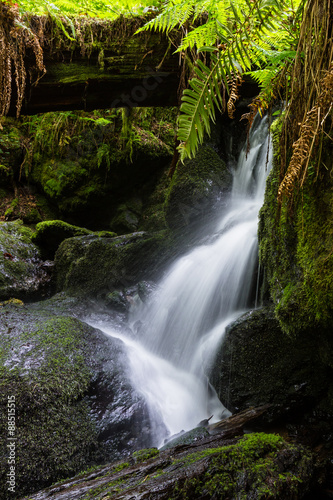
(175, 335)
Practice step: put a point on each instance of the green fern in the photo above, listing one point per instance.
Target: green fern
(172, 16)
(238, 55)
(237, 37)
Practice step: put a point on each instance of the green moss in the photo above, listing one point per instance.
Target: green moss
(106, 234)
(11, 209)
(143, 455)
(251, 465)
(18, 256)
(49, 235)
(93, 266)
(88, 164)
(296, 249)
(42, 365)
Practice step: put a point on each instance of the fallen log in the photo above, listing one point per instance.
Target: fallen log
(214, 467)
(106, 65)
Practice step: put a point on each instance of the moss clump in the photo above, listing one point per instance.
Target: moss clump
(143, 455)
(258, 464)
(49, 235)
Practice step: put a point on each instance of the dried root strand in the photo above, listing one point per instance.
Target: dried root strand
(15, 38)
(303, 147)
(234, 94)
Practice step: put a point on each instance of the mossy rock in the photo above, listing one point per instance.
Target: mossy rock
(49, 235)
(11, 151)
(127, 217)
(74, 405)
(89, 174)
(21, 271)
(92, 266)
(296, 251)
(195, 187)
(259, 364)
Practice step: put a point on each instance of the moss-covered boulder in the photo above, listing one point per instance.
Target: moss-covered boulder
(195, 188)
(73, 403)
(22, 273)
(259, 364)
(49, 235)
(96, 266)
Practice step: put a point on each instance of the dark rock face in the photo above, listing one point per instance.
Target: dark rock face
(259, 364)
(74, 403)
(22, 272)
(196, 185)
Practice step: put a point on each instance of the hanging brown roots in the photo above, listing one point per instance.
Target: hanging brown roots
(15, 39)
(303, 147)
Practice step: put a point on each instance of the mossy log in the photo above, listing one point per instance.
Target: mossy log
(109, 66)
(255, 466)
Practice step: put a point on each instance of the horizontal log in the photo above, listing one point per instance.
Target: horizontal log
(117, 70)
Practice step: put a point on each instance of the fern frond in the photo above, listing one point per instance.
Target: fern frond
(198, 106)
(174, 15)
(238, 56)
(203, 35)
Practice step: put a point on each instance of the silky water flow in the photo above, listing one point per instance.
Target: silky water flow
(183, 323)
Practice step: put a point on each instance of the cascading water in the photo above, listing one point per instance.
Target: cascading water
(179, 330)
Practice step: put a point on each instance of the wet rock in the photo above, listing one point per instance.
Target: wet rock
(183, 438)
(127, 217)
(93, 266)
(22, 272)
(258, 364)
(196, 187)
(74, 404)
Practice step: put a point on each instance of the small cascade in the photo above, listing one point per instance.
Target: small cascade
(183, 324)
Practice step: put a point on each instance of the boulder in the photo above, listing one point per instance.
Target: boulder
(258, 364)
(127, 216)
(197, 187)
(74, 404)
(49, 235)
(22, 272)
(96, 266)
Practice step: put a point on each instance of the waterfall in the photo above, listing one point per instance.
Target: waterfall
(178, 331)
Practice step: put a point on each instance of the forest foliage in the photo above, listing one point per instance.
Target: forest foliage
(285, 45)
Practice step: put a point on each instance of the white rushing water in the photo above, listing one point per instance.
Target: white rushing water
(183, 324)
